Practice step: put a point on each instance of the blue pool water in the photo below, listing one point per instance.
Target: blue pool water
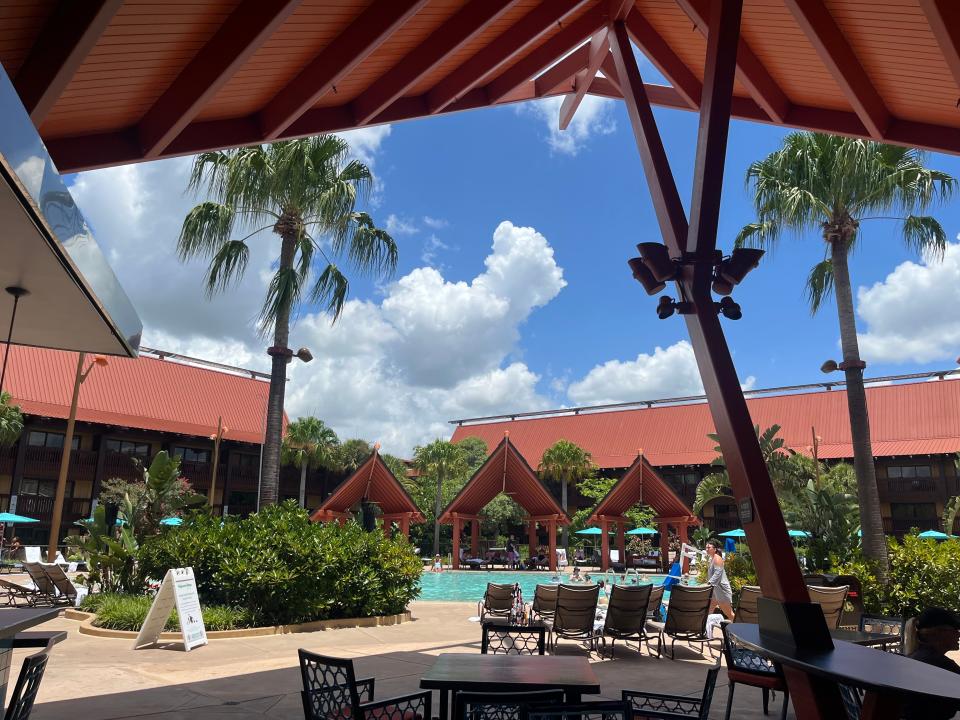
(471, 584)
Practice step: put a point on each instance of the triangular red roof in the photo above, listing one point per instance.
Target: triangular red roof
(641, 484)
(374, 481)
(505, 471)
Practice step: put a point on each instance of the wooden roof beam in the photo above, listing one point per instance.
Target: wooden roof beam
(470, 20)
(944, 19)
(599, 49)
(750, 71)
(64, 43)
(563, 72)
(501, 50)
(240, 36)
(836, 54)
(656, 49)
(340, 57)
(609, 70)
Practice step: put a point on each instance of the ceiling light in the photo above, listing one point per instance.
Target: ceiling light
(657, 259)
(305, 355)
(643, 275)
(721, 286)
(666, 307)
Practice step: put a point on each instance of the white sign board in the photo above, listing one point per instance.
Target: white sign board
(178, 589)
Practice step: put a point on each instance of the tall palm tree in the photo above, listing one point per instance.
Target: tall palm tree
(11, 421)
(440, 461)
(305, 192)
(309, 443)
(829, 185)
(566, 462)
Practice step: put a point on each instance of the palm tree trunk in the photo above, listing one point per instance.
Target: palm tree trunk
(563, 503)
(438, 508)
(303, 485)
(270, 471)
(871, 522)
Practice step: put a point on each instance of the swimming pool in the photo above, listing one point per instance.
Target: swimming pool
(471, 584)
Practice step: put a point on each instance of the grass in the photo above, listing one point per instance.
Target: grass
(127, 612)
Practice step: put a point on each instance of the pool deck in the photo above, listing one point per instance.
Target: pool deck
(100, 679)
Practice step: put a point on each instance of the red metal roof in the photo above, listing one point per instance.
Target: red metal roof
(909, 419)
(373, 481)
(505, 471)
(142, 393)
(641, 484)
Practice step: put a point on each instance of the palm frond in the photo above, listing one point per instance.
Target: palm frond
(371, 249)
(283, 296)
(331, 289)
(227, 266)
(763, 235)
(205, 229)
(819, 284)
(716, 485)
(925, 235)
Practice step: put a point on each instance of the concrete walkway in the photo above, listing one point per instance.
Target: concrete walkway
(98, 679)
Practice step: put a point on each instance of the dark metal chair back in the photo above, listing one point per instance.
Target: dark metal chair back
(513, 639)
(688, 610)
(576, 609)
(502, 706)
(627, 610)
(747, 611)
(545, 601)
(886, 625)
(329, 687)
(744, 660)
(498, 599)
(28, 684)
(598, 710)
(655, 602)
(831, 600)
(663, 705)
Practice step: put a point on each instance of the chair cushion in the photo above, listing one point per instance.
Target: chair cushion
(771, 682)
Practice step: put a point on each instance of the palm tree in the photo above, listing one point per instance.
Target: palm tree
(309, 443)
(11, 421)
(440, 460)
(829, 185)
(566, 462)
(305, 191)
(717, 484)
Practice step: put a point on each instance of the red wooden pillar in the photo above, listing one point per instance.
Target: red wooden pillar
(604, 545)
(475, 537)
(532, 538)
(405, 525)
(386, 526)
(665, 546)
(552, 533)
(456, 542)
(622, 542)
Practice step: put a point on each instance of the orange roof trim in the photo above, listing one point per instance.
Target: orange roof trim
(374, 481)
(641, 484)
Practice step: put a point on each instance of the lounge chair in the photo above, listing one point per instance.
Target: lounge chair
(888, 625)
(747, 611)
(747, 667)
(655, 604)
(575, 616)
(831, 600)
(498, 600)
(46, 590)
(66, 590)
(331, 691)
(626, 617)
(502, 706)
(561, 558)
(615, 563)
(686, 617)
(14, 595)
(32, 553)
(662, 705)
(544, 603)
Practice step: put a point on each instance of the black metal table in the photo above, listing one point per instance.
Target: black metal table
(13, 621)
(866, 639)
(886, 677)
(509, 673)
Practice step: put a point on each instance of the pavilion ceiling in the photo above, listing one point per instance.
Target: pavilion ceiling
(110, 82)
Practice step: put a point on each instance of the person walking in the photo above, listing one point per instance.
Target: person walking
(717, 578)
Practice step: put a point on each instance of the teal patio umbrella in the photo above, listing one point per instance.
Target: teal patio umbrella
(798, 533)
(173, 521)
(642, 531)
(738, 533)
(12, 519)
(934, 535)
(590, 531)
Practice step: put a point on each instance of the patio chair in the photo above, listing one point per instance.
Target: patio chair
(502, 706)
(747, 611)
(686, 617)
(14, 595)
(66, 590)
(888, 625)
(46, 590)
(655, 604)
(501, 639)
(747, 667)
(497, 600)
(626, 617)
(575, 616)
(28, 684)
(673, 707)
(596, 710)
(331, 691)
(544, 603)
(831, 600)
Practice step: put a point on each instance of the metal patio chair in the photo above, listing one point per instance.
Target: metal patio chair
(626, 617)
(686, 617)
(544, 604)
(664, 706)
(596, 710)
(831, 600)
(501, 639)
(747, 610)
(27, 687)
(746, 667)
(576, 615)
(886, 625)
(497, 600)
(502, 706)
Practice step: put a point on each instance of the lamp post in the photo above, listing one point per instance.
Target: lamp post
(16, 293)
(216, 437)
(67, 450)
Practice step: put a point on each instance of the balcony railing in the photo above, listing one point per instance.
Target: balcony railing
(902, 525)
(722, 523)
(7, 461)
(120, 465)
(198, 473)
(43, 462)
(40, 507)
(901, 486)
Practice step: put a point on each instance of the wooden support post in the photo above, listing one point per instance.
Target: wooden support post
(604, 545)
(387, 527)
(665, 546)
(552, 533)
(455, 561)
(405, 525)
(622, 542)
(475, 537)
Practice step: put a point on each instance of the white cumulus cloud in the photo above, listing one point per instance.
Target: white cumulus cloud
(593, 117)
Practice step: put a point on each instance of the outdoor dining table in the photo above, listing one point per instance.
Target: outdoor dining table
(885, 677)
(509, 673)
(866, 639)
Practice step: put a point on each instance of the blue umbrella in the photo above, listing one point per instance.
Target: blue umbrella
(172, 521)
(117, 523)
(642, 531)
(590, 531)
(934, 535)
(798, 533)
(738, 533)
(12, 519)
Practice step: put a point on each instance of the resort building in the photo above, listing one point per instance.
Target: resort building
(131, 409)
(914, 423)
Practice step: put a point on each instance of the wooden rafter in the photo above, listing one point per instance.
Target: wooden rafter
(560, 76)
(599, 48)
(609, 70)
(65, 41)
(944, 19)
(750, 70)
(472, 19)
(664, 58)
(835, 52)
(247, 28)
(494, 56)
(351, 47)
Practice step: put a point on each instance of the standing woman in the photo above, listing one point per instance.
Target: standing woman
(717, 577)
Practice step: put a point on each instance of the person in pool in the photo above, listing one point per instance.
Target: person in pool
(437, 564)
(575, 576)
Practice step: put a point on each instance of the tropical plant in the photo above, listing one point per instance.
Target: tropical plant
(701, 536)
(110, 553)
(351, 454)
(304, 191)
(397, 466)
(596, 488)
(476, 452)
(717, 484)
(308, 444)
(830, 185)
(127, 612)
(566, 462)
(11, 421)
(439, 461)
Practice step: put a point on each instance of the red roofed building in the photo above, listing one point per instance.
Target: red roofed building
(132, 408)
(915, 428)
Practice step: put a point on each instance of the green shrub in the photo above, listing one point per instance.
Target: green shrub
(283, 569)
(127, 612)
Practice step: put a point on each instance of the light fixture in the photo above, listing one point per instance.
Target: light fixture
(304, 355)
(736, 267)
(643, 276)
(721, 286)
(17, 293)
(666, 307)
(657, 259)
(730, 309)
(829, 366)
